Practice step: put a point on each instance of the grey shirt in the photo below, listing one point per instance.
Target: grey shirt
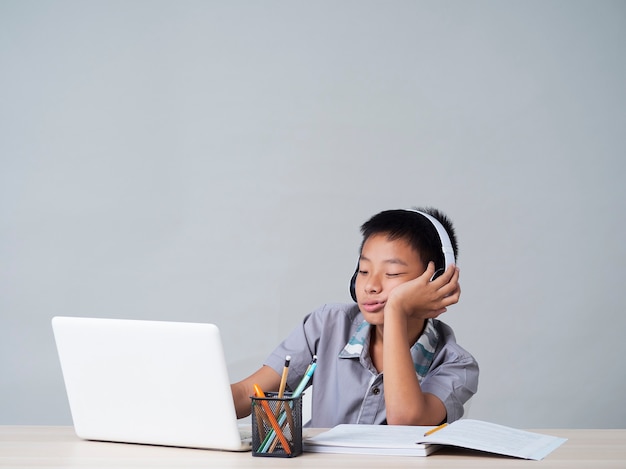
(348, 389)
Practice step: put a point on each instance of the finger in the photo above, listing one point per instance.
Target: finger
(452, 271)
(453, 297)
(448, 288)
(446, 277)
(430, 270)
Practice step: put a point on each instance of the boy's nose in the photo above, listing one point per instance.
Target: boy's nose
(372, 286)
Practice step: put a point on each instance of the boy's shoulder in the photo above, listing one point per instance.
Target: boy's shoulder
(448, 346)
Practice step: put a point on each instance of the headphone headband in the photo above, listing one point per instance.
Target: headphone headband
(446, 244)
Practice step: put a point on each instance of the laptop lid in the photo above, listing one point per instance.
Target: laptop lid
(151, 382)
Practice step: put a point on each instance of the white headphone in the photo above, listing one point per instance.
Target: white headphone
(446, 244)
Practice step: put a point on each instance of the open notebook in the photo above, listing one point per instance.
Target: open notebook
(422, 441)
(151, 382)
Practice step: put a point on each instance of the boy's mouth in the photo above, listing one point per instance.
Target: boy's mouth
(373, 306)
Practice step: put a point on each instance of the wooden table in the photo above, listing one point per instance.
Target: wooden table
(58, 447)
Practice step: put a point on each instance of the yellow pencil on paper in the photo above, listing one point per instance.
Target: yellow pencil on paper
(436, 429)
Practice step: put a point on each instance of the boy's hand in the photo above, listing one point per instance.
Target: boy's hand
(421, 298)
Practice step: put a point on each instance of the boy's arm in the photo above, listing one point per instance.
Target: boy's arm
(415, 300)
(405, 402)
(267, 379)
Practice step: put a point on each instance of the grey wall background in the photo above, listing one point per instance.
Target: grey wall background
(212, 161)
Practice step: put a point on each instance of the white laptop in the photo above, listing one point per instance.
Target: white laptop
(151, 382)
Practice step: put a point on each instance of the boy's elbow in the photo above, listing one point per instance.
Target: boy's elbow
(413, 421)
(399, 419)
(431, 412)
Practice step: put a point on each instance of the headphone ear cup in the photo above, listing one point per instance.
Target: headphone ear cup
(353, 284)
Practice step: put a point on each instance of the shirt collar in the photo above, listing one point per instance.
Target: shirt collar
(354, 347)
(422, 352)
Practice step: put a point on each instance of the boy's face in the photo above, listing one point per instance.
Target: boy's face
(383, 265)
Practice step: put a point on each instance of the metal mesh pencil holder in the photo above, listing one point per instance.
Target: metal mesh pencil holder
(277, 426)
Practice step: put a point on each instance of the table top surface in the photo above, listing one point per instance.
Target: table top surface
(59, 447)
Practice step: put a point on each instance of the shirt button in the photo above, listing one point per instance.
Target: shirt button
(376, 391)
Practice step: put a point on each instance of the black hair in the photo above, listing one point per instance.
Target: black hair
(414, 228)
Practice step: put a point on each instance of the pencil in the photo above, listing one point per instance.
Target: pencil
(283, 384)
(283, 379)
(261, 421)
(281, 404)
(306, 378)
(436, 429)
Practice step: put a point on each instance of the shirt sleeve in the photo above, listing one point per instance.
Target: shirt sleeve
(301, 345)
(453, 378)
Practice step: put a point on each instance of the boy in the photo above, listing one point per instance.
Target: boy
(400, 287)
